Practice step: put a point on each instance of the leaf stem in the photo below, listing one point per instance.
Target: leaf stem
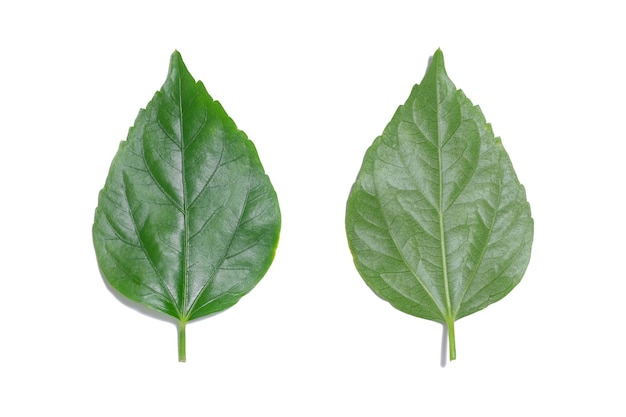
(182, 350)
(451, 339)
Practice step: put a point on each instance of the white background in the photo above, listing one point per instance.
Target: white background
(312, 84)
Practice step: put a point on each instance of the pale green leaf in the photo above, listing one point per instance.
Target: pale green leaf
(437, 221)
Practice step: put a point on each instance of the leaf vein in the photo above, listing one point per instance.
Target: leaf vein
(156, 182)
(192, 307)
(208, 181)
(142, 244)
(405, 261)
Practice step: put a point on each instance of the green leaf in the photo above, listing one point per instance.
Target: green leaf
(187, 222)
(437, 221)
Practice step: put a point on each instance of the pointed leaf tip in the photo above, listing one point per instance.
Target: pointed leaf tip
(177, 65)
(176, 61)
(437, 59)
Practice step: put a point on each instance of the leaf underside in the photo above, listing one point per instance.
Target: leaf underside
(437, 221)
(188, 221)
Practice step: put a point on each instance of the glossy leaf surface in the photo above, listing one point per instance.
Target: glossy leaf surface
(188, 221)
(437, 221)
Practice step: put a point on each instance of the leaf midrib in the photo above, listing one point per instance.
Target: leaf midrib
(442, 235)
(183, 311)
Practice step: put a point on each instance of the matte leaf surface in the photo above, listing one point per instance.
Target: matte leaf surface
(188, 221)
(437, 221)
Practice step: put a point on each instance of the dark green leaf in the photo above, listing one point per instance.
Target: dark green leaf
(187, 222)
(437, 221)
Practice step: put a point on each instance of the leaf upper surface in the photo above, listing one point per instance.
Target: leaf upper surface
(188, 221)
(437, 221)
